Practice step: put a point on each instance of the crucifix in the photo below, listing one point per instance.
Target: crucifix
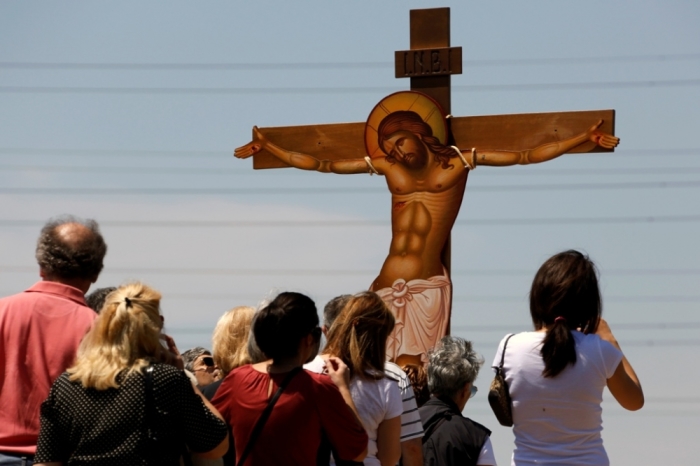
(426, 155)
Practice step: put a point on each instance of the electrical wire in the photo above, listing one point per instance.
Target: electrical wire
(348, 272)
(345, 190)
(366, 223)
(240, 172)
(228, 153)
(315, 66)
(673, 83)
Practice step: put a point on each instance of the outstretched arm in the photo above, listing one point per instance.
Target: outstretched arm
(546, 151)
(299, 160)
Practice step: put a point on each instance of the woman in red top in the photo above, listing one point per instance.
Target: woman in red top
(311, 406)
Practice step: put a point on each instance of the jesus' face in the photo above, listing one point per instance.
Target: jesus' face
(407, 148)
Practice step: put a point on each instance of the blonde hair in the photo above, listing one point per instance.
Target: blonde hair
(125, 336)
(230, 338)
(359, 333)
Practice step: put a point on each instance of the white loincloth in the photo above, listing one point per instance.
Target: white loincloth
(422, 311)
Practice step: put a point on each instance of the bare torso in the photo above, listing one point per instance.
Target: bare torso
(425, 204)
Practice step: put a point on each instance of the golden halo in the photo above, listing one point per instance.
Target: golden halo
(428, 109)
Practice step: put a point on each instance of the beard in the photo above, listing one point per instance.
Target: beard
(416, 160)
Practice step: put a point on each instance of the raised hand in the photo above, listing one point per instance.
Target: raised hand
(256, 145)
(171, 355)
(338, 371)
(605, 140)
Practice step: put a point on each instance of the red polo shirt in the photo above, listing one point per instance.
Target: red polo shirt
(40, 330)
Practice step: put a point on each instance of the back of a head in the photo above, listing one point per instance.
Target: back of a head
(418, 377)
(71, 248)
(191, 355)
(279, 327)
(359, 334)
(126, 335)
(96, 299)
(564, 297)
(333, 308)
(230, 338)
(451, 365)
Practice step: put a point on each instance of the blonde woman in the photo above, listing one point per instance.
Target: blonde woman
(358, 337)
(123, 402)
(230, 339)
(230, 344)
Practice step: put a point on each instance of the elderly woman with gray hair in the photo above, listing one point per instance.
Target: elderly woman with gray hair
(450, 438)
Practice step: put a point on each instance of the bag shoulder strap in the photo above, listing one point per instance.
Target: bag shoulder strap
(150, 402)
(150, 414)
(266, 414)
(503, 353)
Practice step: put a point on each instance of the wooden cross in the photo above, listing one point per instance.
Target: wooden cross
(429, 63)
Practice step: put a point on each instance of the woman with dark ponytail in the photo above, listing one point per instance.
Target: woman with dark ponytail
(556, 375)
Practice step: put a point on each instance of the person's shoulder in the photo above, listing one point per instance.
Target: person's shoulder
(64, 380)
(475, 425)
(64, 387)
(591, 343)
(587, 340)
(317, 365)
(168, 374)
(394, 372)
(312, 376)
(523, 337)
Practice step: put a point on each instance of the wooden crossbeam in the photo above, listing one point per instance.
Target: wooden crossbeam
(338, 141)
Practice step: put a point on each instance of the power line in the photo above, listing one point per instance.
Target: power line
(119, 152)
(621, 326)
(234, 172)
(348, 272)
(336, 65)
(515, 327)
(344, 190)
(674, 83)
(366, 223)
(228, 153)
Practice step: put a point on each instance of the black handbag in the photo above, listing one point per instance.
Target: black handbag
(152, 439)
(499, 397)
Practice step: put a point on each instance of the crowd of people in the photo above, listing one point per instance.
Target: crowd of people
(103, 385)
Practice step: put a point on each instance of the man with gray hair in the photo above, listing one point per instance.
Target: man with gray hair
(199, 362)
(40, 329)
(450, 438)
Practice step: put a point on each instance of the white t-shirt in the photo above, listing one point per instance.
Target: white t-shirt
(486, 456)
(375, 400)
(558, 420)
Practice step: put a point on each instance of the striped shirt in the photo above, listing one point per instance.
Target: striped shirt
(411, 426)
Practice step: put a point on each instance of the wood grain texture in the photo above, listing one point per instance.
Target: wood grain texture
(506, 132)
(529, 130)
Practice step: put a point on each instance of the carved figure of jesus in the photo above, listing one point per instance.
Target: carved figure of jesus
(427, 179)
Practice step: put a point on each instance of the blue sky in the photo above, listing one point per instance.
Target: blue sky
(87, 104)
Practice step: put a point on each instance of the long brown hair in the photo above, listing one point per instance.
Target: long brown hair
(358, 335)
(564, 297)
